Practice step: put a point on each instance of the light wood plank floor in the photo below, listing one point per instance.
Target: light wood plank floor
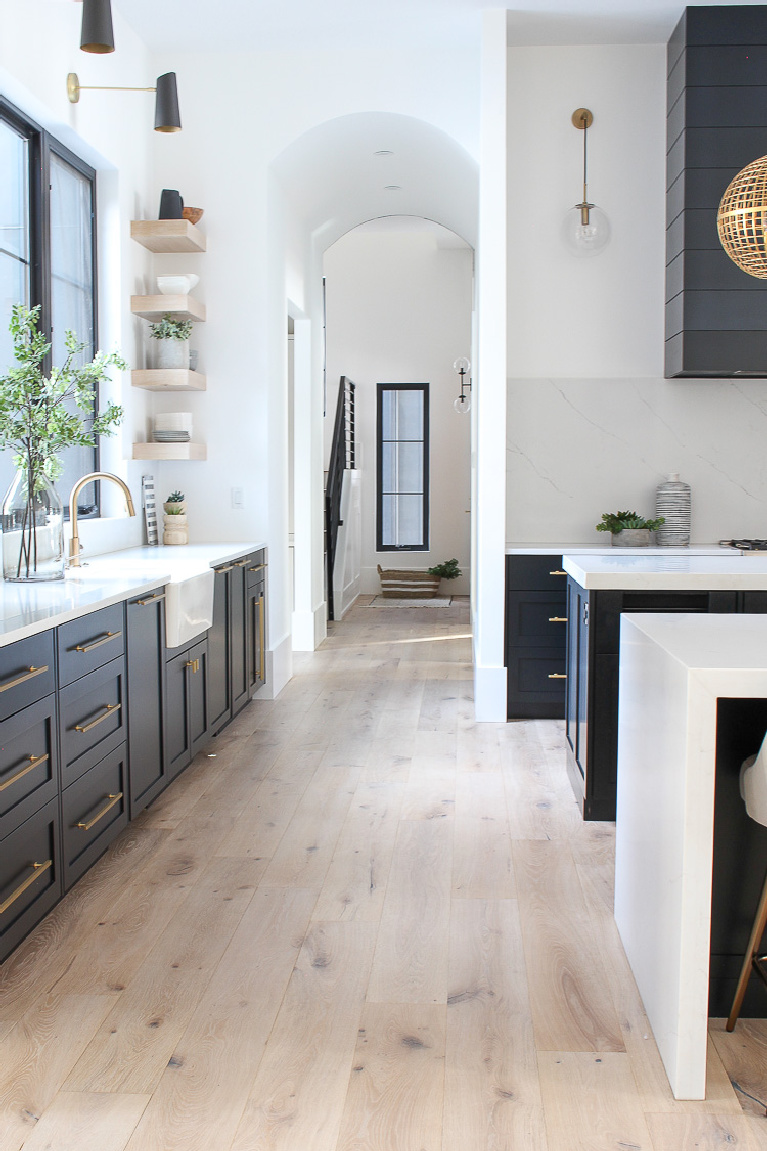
(363, 923)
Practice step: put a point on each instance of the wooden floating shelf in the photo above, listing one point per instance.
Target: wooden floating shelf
(179, 307)
(168, 380)
(168, 235)
(152, 451)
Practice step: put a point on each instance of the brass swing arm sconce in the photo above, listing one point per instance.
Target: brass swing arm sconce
(167, 117)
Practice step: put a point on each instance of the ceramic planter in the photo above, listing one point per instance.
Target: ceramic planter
(632, 538)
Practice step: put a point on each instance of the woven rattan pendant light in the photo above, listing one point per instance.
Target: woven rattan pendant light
(742, 217)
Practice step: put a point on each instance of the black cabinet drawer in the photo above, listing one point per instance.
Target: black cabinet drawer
(27, 672)
(90, 642)
(93, 810)
(540, 675)
(29, 775)
(92, 718)
(30, 876)
(535, 573)
(256, 567)
(536, 619)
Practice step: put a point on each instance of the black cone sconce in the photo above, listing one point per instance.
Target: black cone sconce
(96, 33)
(167, 117)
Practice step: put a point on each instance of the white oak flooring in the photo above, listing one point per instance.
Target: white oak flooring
(363, 922)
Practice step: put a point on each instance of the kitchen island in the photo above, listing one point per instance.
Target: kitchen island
(678, 674)
(600, 587)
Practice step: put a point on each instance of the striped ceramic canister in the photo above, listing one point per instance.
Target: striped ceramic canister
(673, 502)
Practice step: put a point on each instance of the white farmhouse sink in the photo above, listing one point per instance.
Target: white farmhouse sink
(188, 607)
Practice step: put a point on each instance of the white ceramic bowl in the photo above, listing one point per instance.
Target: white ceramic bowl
(176, 285)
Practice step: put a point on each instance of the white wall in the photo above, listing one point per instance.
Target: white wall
(399, 311)
(592, 426)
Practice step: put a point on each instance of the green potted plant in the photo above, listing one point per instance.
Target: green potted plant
(172, 336)
(448, 569)
(39, 417)
(629, 529)
(175, 523)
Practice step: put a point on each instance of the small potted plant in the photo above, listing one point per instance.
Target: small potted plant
(172, 342)
(629, 529)
(175, 523)
(40, 416)
(448, 569)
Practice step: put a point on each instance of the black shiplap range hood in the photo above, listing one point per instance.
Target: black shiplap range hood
(716, 315)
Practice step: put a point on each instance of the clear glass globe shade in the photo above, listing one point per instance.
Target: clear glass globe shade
(586, 239)
(462, 404)
(462, 365)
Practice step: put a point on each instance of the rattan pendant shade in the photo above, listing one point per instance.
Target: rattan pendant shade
(742, 218)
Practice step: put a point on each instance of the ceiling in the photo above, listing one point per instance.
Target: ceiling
(285, 25)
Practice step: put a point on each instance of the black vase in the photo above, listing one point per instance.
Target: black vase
(171, 205)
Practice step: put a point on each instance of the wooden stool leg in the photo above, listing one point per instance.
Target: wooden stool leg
(757, 931)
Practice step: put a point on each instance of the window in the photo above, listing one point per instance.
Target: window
(47, 257)
(403, 467)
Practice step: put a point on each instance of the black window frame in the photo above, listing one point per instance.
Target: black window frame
(380, 545)
(42, 145)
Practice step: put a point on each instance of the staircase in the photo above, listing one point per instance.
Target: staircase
(341, 458)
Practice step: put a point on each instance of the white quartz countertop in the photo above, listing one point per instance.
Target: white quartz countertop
(26, 609)
(677, 570)
(528, 549)
(715, 644)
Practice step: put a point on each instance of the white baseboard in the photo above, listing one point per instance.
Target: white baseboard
(309, 628)
(279, 669)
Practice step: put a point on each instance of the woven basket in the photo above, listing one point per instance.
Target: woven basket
(407, 583)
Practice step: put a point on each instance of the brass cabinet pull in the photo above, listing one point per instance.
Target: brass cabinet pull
(557, 675)
(97, 643)
(557, 619)
(194, 664)
(33, 762)
(113, 799)
(228, 568)
(33, 671)
(240, 563)
(261, 661)
(110, 708)
(558, 573)
(259, 568)
(37, 869)
(152, 599)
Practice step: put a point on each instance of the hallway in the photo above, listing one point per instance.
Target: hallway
(365, 923)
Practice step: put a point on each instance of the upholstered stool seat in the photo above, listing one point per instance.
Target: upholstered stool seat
(753, 788)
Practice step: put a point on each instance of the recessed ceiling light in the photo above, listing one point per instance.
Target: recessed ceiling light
(383, 152)
(393, 188)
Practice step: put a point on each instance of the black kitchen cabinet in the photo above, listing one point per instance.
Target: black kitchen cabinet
(593, 639)
(186, 706)
(94, 808)
(256, 622)
(235, 636)
(145, 656)
(30, 874)
(536, 622)
(219, 652)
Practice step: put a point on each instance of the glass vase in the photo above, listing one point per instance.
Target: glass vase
(33, 531)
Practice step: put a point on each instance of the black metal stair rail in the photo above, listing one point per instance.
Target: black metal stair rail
(341, 458)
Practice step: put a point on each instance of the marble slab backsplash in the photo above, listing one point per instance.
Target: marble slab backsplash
(578, 447)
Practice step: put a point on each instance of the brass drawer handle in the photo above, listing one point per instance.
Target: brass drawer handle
(261, 638)
(37, 869)
(97, 643)
(33, 762)
(259, 568)
(33, 671)
(194, 664)
(557, 675)
(558, 573)
(228, 568)
(113, 799)
(110, 708)
(152, 599)
(557, 619)
(240, 563)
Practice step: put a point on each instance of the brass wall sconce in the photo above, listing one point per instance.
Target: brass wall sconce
(96, 33)
(586, 228)
(463, 403)
(167, 117)
(741, 219)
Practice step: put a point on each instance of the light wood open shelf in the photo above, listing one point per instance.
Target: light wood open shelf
(152, 451)
(168, 380)
(168, 235)
(179, 307)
